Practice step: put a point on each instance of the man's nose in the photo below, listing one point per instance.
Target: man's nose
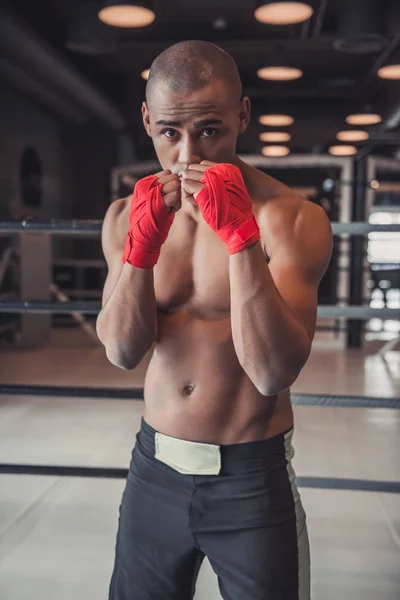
(188, 154)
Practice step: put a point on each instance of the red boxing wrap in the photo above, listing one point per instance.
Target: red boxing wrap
(227, 208)
(150, 223)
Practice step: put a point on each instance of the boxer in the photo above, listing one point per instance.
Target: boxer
(215, 267)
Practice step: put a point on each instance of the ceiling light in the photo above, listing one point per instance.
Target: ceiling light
(363, 119)
(275, 150)
(276, 120)
(353, 135)
(145, 74)
(279, 73)
(275, 136)
(283, 13)
(342, 150)
(120, 13)
(389, 72)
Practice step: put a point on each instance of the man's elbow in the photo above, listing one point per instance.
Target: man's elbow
(122, 360)
(272, 388)
(271, 384)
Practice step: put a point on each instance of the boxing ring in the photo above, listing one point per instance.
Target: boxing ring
(92, 228)
(86, 480)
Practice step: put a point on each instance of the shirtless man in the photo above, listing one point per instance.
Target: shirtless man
(229, 305)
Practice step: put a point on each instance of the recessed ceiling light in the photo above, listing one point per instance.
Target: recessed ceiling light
(120, 13)
(275, 136)
(283, 13)
(276, 120)
(275, 150)
(363, 119)
(352, 135)
(342, 150)
(279, 73)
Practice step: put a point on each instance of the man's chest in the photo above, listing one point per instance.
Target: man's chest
(193, 270)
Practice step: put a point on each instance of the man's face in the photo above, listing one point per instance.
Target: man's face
(188, 127)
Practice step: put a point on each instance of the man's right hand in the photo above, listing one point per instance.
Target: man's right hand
(170, 190)
(155, 201)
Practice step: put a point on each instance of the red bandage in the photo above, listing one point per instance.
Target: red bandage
(227, 208)
(150, 223)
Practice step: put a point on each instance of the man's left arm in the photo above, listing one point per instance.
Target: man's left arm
(274, 305)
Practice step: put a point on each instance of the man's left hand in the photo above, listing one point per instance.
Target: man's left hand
(220, 193)
(191, 178)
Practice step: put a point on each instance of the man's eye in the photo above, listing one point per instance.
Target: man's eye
(209, 132)
(169, 133)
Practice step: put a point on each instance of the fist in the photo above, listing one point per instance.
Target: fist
(191, 179)
(170, 190)
(155, 199)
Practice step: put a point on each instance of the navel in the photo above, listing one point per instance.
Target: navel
(189, 389)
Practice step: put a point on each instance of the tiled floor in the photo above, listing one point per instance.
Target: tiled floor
(57, 534)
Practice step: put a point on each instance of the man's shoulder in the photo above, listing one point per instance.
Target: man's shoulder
(283, 213)
(116, 223)
(275, 202)
(117, 208)
(117, 215)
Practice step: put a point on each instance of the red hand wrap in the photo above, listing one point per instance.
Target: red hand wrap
(227, 208)
(150, 223)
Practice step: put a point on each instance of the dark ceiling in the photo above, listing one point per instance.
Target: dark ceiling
(335, 83)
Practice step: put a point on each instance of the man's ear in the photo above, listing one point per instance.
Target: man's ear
(244, 115)
(146, 118)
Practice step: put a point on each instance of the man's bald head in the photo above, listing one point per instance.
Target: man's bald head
(192, 65)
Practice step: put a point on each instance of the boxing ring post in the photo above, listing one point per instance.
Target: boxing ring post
(5, 262)
(391, 165)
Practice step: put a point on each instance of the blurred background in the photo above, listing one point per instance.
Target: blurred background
(323, 77)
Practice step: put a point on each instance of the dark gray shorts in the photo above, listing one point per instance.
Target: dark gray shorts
(247, 519)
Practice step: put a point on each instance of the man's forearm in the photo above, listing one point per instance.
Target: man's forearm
(127, 324)
(271, 344)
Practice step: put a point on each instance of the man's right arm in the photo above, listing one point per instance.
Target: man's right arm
(132, 237)
(127, 323)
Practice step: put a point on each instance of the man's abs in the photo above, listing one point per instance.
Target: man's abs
(195, 388)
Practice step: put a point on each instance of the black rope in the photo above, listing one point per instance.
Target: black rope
(345, 401)
(54, 226)
(327, 483)
(353, 485)
(137, 394)
(75, 392)
(59, 471)
(94, 226)
(35, 306)
(94, 307)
